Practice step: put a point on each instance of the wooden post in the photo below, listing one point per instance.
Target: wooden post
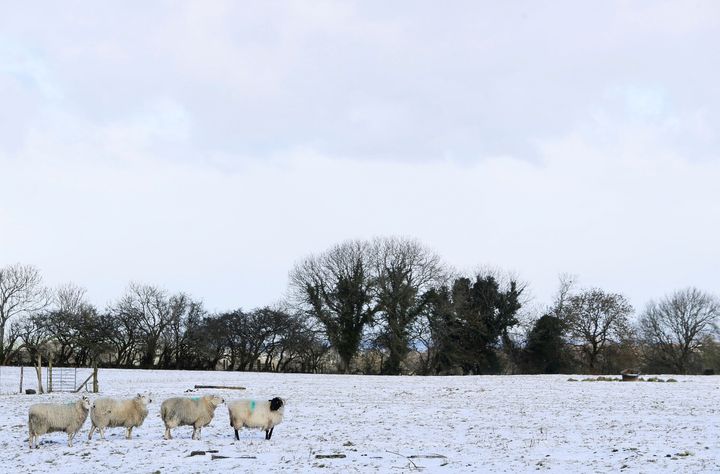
(96, 388)
(50, 374)
(38, 369)
(22, 372)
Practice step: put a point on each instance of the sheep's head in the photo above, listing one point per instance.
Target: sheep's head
(214, 400)
(85, 402)
(276, 403)
(144, 399)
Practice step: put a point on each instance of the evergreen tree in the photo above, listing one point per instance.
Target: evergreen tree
(545, 349)
(471, 322)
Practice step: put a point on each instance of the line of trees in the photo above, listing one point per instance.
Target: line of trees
(386, 306)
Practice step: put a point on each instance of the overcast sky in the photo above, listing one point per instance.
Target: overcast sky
(207, 146)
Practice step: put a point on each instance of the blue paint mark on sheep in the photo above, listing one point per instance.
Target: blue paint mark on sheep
(252, 406)
(195, 399)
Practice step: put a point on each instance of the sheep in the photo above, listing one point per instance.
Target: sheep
(256, 414)
(195, 411)
(49, 417)
(108, 412)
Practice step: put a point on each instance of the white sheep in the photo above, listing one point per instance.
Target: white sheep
(112, 413)
(49, 417)
(196, 412)
(256, 414)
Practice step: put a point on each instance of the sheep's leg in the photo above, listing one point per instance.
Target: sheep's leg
(92, 430)
(167, 433)
(237, 435)
(268, 433)
(102, 433)
(30, 439)
(194, 433)
(70, 438)
(128, 435)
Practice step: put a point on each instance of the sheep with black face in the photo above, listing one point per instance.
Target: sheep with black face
(264, 415)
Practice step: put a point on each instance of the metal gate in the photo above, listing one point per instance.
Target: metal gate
(61, 379)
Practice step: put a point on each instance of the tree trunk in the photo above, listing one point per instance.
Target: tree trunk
(2, 340)
(149, 358)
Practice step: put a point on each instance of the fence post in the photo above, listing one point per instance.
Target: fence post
(50, 374)
(22, 372)
(38, 369)
(96, 388)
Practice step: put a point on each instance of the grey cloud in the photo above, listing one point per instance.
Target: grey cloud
(368, 80)
(182, 143)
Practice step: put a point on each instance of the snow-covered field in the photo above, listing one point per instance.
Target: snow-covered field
(393, 424)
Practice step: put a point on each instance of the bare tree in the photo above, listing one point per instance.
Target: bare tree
(70, 298)
(422, 338)
(248, 336)
(335, 288)
(403, 271)
(560, 302)
(595, 318)
(176, 343)
(63, 321)
(75, 329)
(21, 292)
(31, 334)
(124, 336)
(153, 311)
(674, 329)
(208, 341)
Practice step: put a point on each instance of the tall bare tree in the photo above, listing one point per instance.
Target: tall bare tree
(247, 335)
(75, 329)
(153, 311)
(335, 288)
(595, 318)
(176, 343)
(124, 336)
(674, 329)
(565, 290)
(21, 292)
(403, 271)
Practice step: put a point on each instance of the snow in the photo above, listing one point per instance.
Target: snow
(469, 424)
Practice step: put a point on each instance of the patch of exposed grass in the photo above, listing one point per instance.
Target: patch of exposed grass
(601, 379)
(615, 379)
